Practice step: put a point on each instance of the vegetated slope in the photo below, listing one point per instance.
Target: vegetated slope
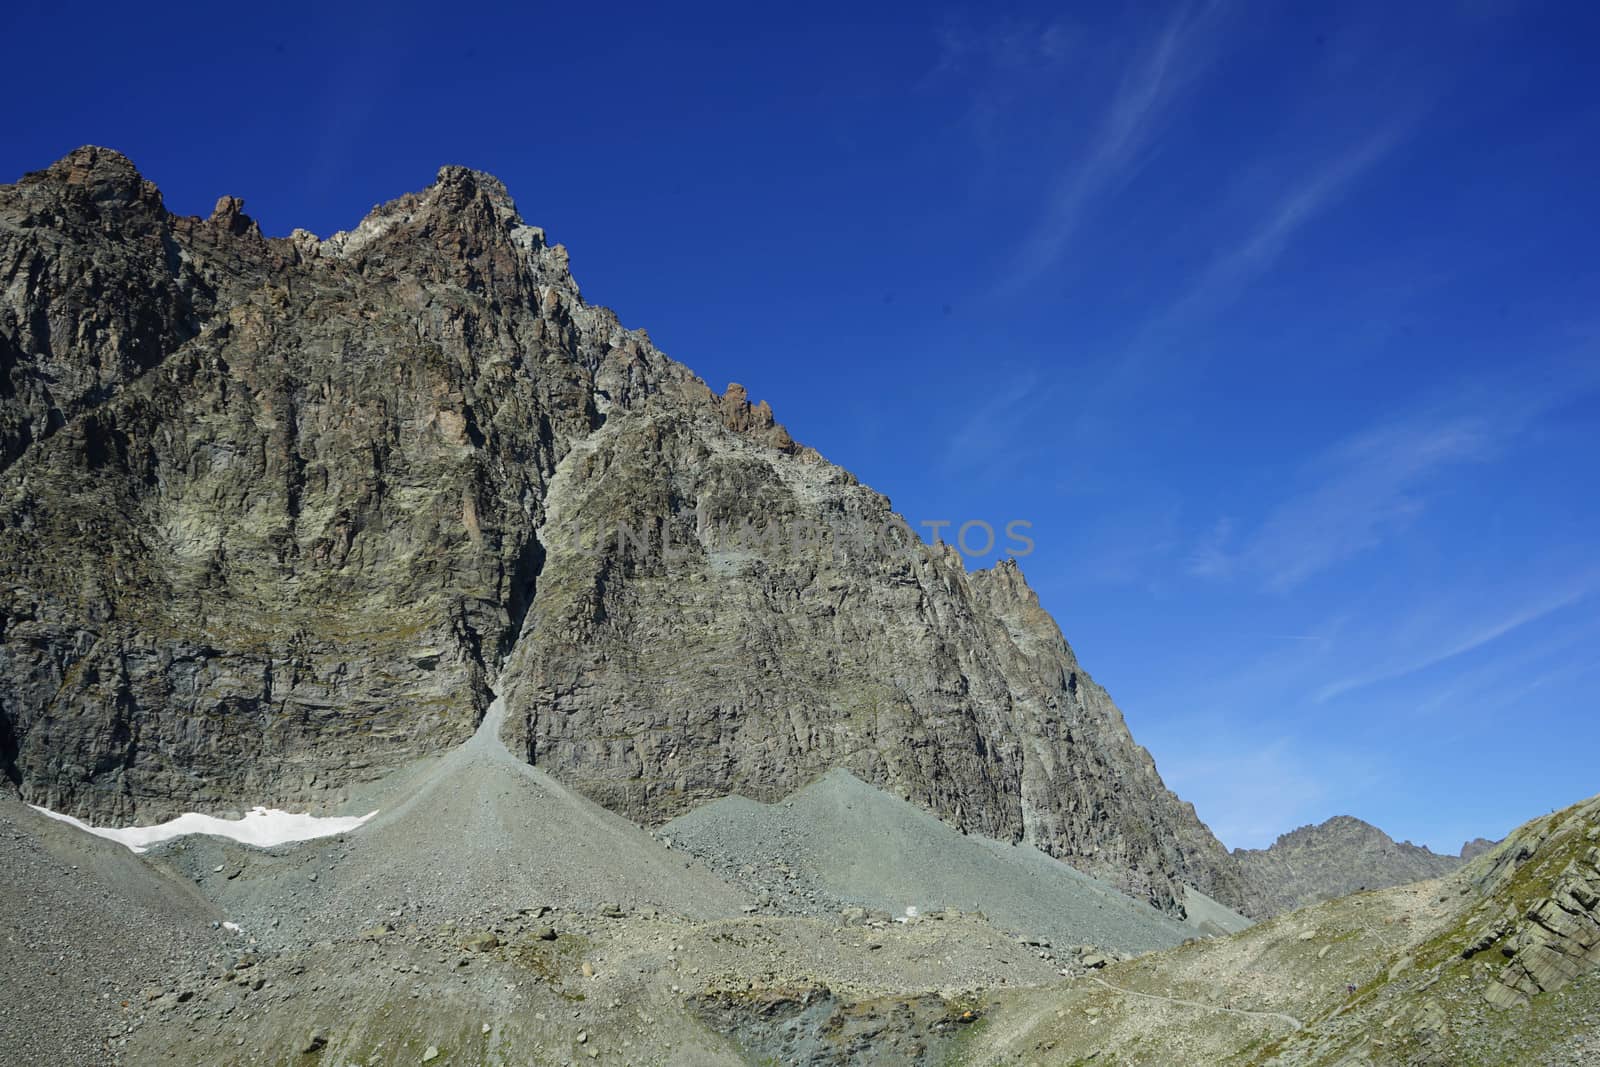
(1332, 859)
(1495, 964)
(841, 842)
(278, 512)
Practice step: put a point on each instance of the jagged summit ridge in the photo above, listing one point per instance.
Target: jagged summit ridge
(1330, 859)
(281, 510)
(1347, 826)
(105, 174)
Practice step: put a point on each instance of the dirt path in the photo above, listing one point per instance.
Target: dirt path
(1290, 1019)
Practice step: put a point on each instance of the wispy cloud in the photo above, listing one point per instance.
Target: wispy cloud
(1373, 485)
(998, 62)
(1210, 558)
(1248, 255)
(998, 425)
(1008, 45)
(1303, 200)
(1475, 637)
(1505, 675)
(1132, 119)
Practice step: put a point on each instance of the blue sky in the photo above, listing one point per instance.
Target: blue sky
(1279, 326)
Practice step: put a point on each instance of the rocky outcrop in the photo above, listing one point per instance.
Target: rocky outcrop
(1542, 889)
(278, 511)
(98, 291)
(1475, 848)
(1342, 855)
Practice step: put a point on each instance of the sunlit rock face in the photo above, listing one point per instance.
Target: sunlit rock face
(281, 513)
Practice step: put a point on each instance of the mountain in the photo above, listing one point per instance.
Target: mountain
(396, 523)
(285, 514)
(1332, 859)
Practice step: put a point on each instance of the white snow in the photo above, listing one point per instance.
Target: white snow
(260, 827)
(233, 928)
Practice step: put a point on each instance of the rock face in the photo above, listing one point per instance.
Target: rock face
(1545, 883)
(279, 512)
(1340, 856)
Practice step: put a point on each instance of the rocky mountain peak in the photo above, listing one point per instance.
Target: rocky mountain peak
(464, 229)
(1347, 827)
(229, 215)
(1340, 855)
(753, 420)
(105, 175)
(1352, 831)
(1005, 578)
(457, 186)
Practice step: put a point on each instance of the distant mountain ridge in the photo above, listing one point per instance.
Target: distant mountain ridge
(1331, 859)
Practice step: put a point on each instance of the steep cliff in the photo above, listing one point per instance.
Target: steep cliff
(278, 512)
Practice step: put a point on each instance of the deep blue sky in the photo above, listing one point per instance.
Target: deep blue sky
(1279, 322)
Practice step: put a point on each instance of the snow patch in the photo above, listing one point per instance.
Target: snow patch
(261, 827)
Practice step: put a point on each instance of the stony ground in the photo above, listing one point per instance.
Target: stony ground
(483, 890)
(463, 839)
(490, 916)
(840, 842)
(87, 929)
(562, 987)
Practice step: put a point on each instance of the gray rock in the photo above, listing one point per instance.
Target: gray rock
(481, 942)
(1557, 939)
(1332, 859)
